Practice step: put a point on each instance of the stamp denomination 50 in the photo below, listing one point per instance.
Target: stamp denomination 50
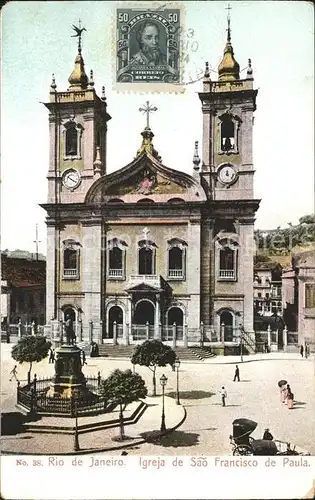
(148, 45)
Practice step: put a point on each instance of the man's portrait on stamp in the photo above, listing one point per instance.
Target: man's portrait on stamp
(148, 46)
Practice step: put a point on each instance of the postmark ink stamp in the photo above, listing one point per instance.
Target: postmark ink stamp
(148, 45)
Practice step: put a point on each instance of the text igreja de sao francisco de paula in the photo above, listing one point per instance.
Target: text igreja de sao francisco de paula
(158, 463)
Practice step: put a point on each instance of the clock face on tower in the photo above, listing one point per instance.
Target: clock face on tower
(227, 174)
(71, 178)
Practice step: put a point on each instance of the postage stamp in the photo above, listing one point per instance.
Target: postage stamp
(148, 45)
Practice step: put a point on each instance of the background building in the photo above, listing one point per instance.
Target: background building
(23, 290)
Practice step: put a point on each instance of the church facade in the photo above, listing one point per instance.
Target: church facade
(149, 251)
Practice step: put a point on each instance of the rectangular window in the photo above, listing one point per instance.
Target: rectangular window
(176, 263)
(71, 264)
(116, 260)
(227, 263)
(309, 295)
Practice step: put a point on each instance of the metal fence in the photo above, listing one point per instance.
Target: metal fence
(34, 397)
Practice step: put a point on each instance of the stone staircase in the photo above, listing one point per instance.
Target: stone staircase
(115, 351)
(193, 353)
(126, 351)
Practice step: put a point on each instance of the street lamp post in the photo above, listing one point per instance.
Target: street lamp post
(76, 434)
(163, 381)
(177, 365)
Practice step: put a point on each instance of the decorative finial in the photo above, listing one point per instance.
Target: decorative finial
(53, 85)
(229, 68)
(103, 96)
(98, 164)
(196, 158)
(207, 72)
(78, 31)
(249, 69)
(228, 8)
(147, 109)
(91, 80)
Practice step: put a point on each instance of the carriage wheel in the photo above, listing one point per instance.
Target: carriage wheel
(243, 449)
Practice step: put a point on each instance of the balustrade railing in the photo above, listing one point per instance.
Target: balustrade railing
(175, 273)
(115, 273)
(70, 273)
(226, 274)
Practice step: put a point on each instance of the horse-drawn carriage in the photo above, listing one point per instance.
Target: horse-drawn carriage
(244, 444)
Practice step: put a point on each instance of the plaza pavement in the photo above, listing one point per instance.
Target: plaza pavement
(208, 425)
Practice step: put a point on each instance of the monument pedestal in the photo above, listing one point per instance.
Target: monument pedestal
(69, 381)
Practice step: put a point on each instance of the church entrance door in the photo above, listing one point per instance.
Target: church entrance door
(226, 319)
(144, 313)
(115, 314)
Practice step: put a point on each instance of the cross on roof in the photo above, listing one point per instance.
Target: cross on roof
(148, 108)
(229, 8)
(145, 232)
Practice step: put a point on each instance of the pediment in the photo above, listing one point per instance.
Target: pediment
(144, 178)
(143, 287)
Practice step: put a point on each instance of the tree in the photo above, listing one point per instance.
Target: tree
(123, 388)
(153, 353)
(30, 349)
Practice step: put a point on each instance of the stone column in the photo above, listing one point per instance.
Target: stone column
(90, 331)
(157, 317)
(115, 333)
(222, 332)
(174, 335)
(147, 330)
(269, 335)
(61, 331)
(91, 270)
(50, 273)
(100, 333)
(185, 335)
(80, 330)
(285, 338)
(129, 320)
(20, 329)
(160, 331)
(201, 333)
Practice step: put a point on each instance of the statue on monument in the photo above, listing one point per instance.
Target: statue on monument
(71, 337)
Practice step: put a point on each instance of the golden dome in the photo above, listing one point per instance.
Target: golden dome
(229, 69)
(78, 78)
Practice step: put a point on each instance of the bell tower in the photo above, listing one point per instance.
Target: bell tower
(227, 175)
(77, 130)
(228, 105)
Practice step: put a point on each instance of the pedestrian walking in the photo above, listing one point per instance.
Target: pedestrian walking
(223, 395)
(51, 356)
(301, 350)
(306, 351)
(13, 373)
(290, 397)
(83, 358)
(267, 435)
(236, 374)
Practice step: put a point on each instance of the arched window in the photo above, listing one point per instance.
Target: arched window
(71, 259)
(226, 323)
(145, 261)
(115, 320)
(176, 259)
(227, 260)
(72, 146)
(229, 125)
(116, 258)
(146, 257)
(71, 141)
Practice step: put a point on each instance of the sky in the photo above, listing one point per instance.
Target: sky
(36, 42)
